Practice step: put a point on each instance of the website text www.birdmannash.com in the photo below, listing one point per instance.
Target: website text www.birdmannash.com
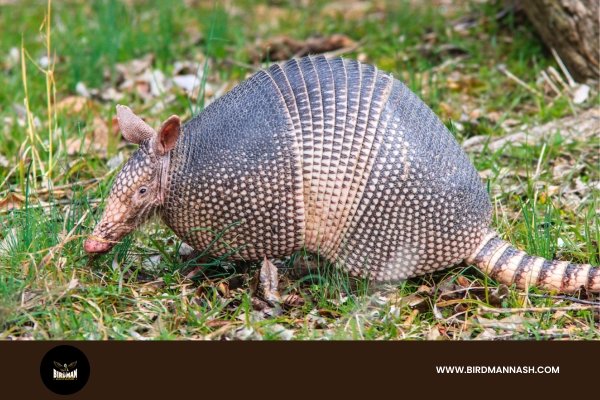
(497, 369)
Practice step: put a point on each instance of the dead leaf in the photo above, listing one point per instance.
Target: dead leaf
(111, 94)
(269, 281)
(493, 116)
(498, 295)
(135, 67)
(187, 82)
(258, 304)
(60, 264)
(424, 289)
(414, 300)
(462, 281)
(448, 290)
(434, 334)
(223, 288)
(115, 161)
(73, 283)
(152, 261)
(152, 287)
(284, 47)
(558, 315)
(448, 112)
(293, 300)
(12, 59)
(513, 322)
(185, 251)
(437, 313)
(317, 321)
(73, 105)
(269, 16)
(348, 10)
(82, 90)
(339, 301)
(282, 332)
(12, 201)
(440, 54)
(460, 308)
(246, 333)
(463, 83)
(487, 334)
(218, 323)
(74, 145)
(331, 314)
(409, 320)
(97, 144)
(100, 134)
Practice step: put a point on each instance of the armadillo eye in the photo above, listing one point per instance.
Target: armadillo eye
(143, 190)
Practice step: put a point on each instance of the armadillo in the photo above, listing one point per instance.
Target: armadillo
(328, 155)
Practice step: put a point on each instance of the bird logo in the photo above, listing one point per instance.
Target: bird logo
(65, 367)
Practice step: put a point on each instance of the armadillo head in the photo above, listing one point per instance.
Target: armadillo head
(140, 187)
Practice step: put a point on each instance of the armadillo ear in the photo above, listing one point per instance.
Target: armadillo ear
(134, 129)
(168, 135)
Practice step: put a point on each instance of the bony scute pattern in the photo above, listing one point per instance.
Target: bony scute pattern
(351, 161)
(233, 176)
(333, 156)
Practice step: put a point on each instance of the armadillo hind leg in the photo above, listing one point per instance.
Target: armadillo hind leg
(501, 261)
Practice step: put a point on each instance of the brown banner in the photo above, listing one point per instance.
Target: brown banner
(275, 369)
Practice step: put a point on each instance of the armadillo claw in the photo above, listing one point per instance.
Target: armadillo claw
(94, 246)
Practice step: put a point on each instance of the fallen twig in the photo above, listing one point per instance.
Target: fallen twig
(562, 297)
(344, 50)
(537, 309)
(580, 127)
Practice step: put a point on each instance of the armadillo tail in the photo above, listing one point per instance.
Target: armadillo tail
(501, 261)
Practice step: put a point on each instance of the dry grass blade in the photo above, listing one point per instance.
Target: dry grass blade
(56, 189)
(64, 241)
(505, 71)
(563, 68)
(223, 330)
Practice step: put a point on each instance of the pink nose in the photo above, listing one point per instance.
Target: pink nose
(94, 246)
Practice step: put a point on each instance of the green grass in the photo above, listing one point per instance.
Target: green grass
(50, 289)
